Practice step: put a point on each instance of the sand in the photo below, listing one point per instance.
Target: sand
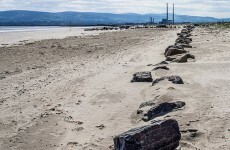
(75, 93)
(23, 35)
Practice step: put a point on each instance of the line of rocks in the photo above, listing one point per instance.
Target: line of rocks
(163, 134)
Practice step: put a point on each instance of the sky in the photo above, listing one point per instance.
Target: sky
(213, 8)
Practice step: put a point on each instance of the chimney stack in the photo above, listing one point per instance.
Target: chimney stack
(167, 11)
(173, 14)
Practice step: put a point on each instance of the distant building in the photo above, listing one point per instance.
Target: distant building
(166, 21)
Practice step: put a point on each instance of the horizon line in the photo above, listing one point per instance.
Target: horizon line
(109, 13)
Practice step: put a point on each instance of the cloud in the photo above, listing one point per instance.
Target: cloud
(215, 8)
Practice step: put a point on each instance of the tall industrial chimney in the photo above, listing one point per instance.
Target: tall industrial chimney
(173, 14)
(167, 11)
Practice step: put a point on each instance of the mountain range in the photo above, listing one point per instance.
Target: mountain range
(22, 17)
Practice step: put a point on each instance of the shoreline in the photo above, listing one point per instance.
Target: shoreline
(21, 37)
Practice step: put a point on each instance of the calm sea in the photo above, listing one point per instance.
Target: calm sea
(29, 28)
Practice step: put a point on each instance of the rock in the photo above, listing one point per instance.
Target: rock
(185, 40)
(183, 45)
(162, 63)
(142, 77)
(162, 109)
(185, 58)
(174, 50)
(183, 35)
(161, 135)
(161, 67)
(169, 58)
(185, 31)
(182, 41)
(180, 58)
(174, 79)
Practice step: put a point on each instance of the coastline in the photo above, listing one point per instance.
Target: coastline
(22, 35)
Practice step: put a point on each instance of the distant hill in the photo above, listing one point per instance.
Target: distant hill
(21, 17)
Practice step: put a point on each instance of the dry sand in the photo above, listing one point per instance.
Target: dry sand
(75, 93)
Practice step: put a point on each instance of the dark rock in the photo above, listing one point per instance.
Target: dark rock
(180, 58)
(174, 50)
(185, 58)
(161, 67)
(169, 58)
(184, 35)
(182, 41)
(185, 40)
(162, 63)
(185, 31)
(142, 77)
(184, 45)
(161, 135)
(162, 109)
(173, 79)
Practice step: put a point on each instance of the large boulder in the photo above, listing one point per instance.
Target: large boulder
(174, 50)
(160, 135)
(174, 79)
(142, 77)
(161, 109)
(180, 58)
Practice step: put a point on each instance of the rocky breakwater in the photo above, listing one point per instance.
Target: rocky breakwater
(163, 134)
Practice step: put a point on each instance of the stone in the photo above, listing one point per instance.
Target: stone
(161, 67)
(185, 58)
(162, 63)
(180, 58)
(160, 135)
(142, 77)
(174, 50)
(184, 39)
(184, 35)
(170, 58)
(162, 109)
(174, 79)
(184, 45)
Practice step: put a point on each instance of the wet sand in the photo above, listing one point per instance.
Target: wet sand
(22, 35)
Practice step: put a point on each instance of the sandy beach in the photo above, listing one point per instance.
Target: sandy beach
(74, 92)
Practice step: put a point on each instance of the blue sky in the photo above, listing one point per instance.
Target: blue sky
(214, 8)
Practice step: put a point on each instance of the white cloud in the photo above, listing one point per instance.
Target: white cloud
(215, 8)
